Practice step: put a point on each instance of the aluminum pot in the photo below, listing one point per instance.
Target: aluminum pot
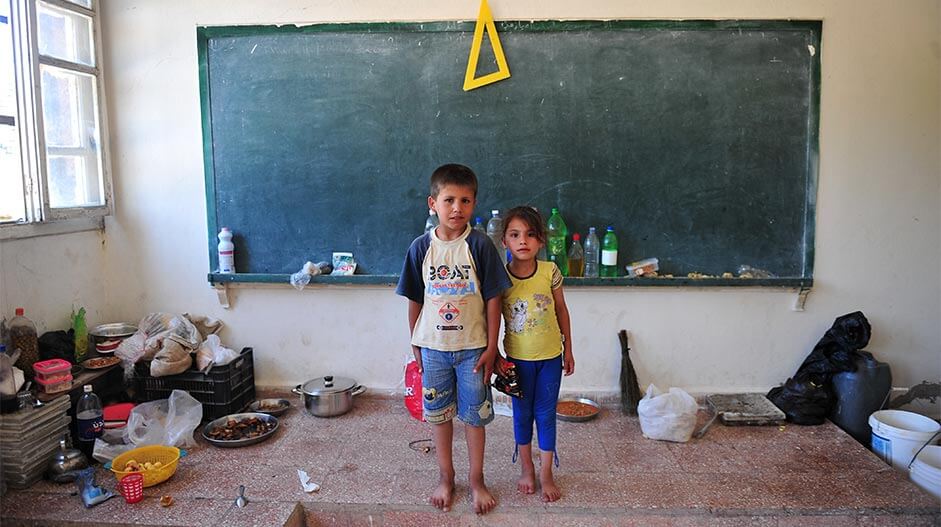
(328, 396)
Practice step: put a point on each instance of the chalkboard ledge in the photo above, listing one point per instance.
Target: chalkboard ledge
(390, 279)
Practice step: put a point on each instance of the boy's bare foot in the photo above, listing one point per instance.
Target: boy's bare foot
(484, 502)
(527, 481)
(441, 497)
(550, 492)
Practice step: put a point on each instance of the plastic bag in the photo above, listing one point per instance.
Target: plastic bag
(213, 353)
(91, 494)
(667, 416)
(413, 398)
(168, 422)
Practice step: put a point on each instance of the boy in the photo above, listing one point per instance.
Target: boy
(453, 277)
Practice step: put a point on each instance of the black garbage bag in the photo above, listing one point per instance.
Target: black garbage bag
(57, 345)
(807, 398)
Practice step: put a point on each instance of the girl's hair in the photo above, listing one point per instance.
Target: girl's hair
(531, 217)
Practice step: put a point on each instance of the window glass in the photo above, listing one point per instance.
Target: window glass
(12, 200)
(83, 3)
(65, 35)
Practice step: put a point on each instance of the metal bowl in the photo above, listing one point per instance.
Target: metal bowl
(578, 418)
(211, 425)
(114, 330)
(270, 406)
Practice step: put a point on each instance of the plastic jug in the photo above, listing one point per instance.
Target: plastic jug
(860, 393)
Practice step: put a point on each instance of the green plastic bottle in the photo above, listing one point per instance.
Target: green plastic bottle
(609, 254)
(81, 334)
(556, 236)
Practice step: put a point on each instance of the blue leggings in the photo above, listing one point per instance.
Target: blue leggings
(539, 381)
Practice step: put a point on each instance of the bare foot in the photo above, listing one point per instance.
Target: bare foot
(483, 500)
(550, 492)
(441, 497)
(527, 481)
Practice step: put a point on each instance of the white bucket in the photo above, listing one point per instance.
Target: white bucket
(926, 470)
(897, 435)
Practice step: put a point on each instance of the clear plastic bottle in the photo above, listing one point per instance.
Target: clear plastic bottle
(609, 254)
(557, 235)
(495, 232)
(226, 252)
(432, 220)
(89, 419)
(592, 254)
(23, 337)
(479, 225)
(576, 257)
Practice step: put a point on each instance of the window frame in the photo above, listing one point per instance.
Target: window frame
(41, 217)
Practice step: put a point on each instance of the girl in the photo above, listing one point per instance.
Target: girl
(538, 340)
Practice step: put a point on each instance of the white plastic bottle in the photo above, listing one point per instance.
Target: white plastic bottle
(495, 232)
(432, 220)
(592, 254)
(226, 252)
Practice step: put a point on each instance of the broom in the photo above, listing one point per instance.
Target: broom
(630, 391)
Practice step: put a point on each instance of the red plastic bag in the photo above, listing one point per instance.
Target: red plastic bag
(413, 397)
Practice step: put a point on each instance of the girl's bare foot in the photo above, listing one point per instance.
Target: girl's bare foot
(527, 481)
(483, 500)
(441, 497)
(550, 492)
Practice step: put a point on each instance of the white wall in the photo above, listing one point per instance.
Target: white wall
(878, 233)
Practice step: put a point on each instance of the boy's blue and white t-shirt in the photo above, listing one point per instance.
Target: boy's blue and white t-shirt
(453, 281)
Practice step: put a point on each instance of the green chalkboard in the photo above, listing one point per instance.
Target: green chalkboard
(695, 140)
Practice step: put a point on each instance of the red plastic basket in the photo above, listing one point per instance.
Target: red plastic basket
(132, 487)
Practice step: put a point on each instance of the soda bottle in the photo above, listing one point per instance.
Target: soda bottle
(576, 257)
(89, 420)
(226, 252)
(557, 234)
(609, 254)
(432, 220)
(479, 225)
(592, 254)
(495, 232)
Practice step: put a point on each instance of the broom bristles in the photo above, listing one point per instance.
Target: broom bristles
(630, 390)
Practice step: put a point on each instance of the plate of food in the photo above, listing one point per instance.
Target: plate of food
(273, 407)
(100, 362)
(235, 430)
(577, 410)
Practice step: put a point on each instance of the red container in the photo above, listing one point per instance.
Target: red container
(52, 370)
(57, 385)
(132, 487)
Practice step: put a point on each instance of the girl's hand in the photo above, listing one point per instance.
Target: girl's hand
(502, 365)
(568, 363)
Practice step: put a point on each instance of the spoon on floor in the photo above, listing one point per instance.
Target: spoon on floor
(241, 500)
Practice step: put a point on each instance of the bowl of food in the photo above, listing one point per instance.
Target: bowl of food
(243, 429)
(577, 409)
(273, 407)
(107, 337)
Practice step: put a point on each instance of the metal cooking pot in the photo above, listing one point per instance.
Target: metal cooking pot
(328, 396)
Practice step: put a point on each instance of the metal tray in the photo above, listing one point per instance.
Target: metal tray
(278, 406)
(582, 418)
(239, 442)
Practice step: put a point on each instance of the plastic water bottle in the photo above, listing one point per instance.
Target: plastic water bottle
(609, 254)
(557, 235)
(89, 418)
(432, 220)
(495, 232)
(479, 225)
(576, 257)
(226, 252)
(592, 254)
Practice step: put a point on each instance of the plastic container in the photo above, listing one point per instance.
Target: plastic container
(557, 237)
(592, 254)
(643, 267)
(52, 370)
(860, 393)
(479, 225)
(89, 420)
(609, 254)
(132, 487)
(897, 435)
(23, 337)
(432, 220)
(495, 232)
(576, 257)
(80, 327)
(57, 385)
(168, 456)
(226, 252)
(926, 470)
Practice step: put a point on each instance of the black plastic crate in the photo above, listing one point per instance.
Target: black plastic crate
(223, 390)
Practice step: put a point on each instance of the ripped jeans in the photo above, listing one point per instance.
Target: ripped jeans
(450, 387)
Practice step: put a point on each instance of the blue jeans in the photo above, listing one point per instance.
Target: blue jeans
(540, 381)
(450, 387)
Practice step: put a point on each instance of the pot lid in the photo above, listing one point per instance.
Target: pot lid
(328, 384)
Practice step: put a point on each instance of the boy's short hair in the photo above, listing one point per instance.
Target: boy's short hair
(531, 217)
(453, 174)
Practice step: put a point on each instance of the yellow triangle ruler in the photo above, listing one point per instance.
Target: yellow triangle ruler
(485, 21)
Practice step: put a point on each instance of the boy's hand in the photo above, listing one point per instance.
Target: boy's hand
(416, 352)
(568, 363)
(486, 361)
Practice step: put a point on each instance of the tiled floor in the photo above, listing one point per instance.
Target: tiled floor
(610, 476)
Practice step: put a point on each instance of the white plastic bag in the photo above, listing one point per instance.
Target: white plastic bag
(213, 353)
(168, 422)
(667, 416)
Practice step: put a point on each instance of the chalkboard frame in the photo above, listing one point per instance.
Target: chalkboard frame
(206, 33)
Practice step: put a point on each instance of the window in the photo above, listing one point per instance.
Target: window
(53, 160)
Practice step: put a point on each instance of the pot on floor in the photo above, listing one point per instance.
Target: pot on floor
(328, 396)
